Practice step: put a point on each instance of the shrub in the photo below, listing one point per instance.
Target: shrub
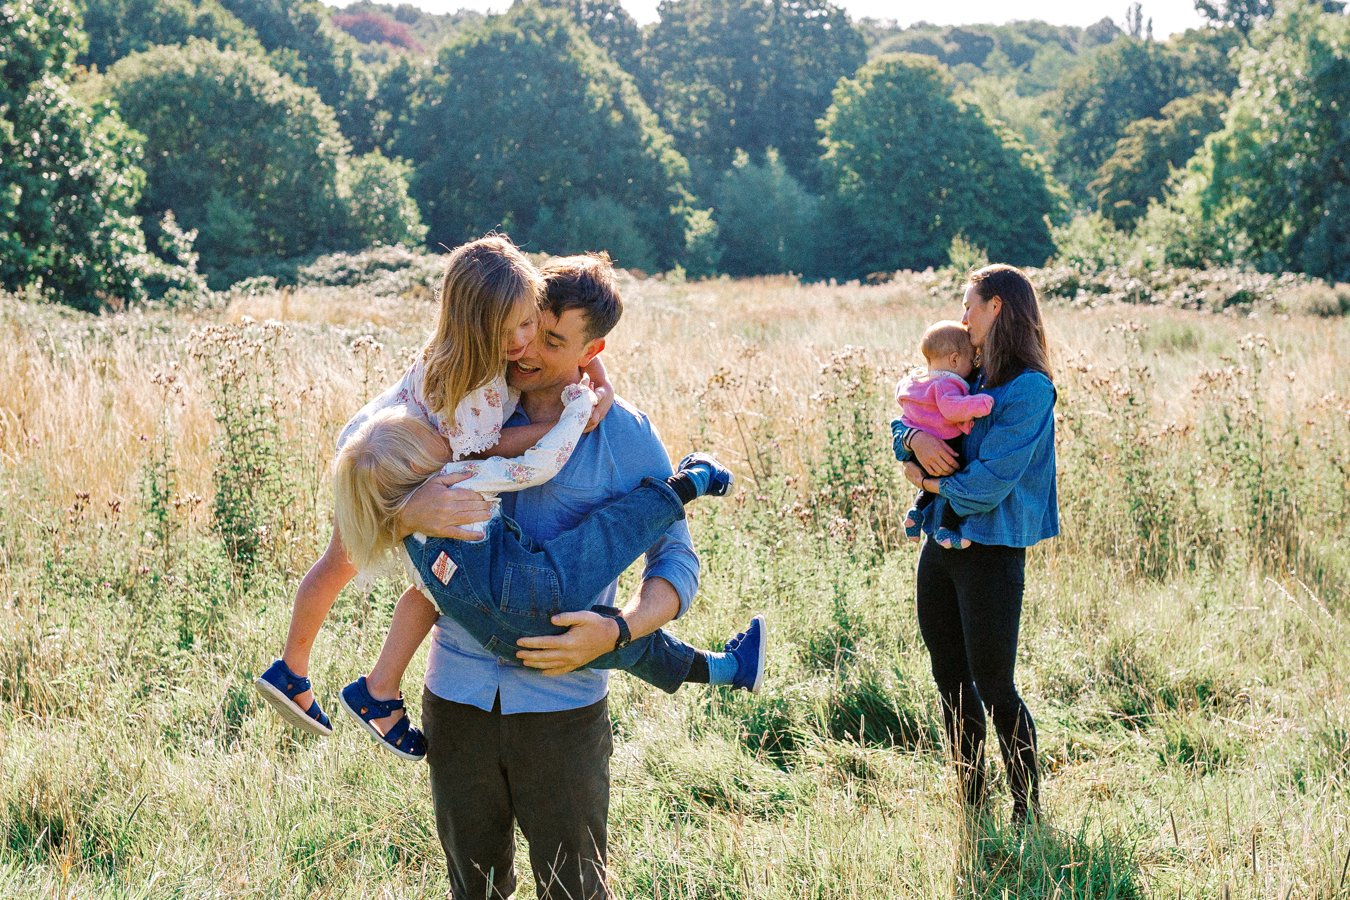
(374, 191)
(768, 221)
(584, 224)
(385, 271)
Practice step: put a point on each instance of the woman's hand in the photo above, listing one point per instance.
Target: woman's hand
(933, 454)
(915, 475)
(604, 392)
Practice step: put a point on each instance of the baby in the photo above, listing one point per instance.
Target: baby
(940, 403)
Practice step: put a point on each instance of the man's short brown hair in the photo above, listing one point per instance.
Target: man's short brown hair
(584, 282)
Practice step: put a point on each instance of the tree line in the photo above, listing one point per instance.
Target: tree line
(149, 147)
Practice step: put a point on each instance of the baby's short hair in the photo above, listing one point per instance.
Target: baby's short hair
(945, 337)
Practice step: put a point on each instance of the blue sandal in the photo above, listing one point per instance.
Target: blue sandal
(402, 739)
(279, 686)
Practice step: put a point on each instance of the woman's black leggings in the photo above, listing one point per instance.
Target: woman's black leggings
(970, 605)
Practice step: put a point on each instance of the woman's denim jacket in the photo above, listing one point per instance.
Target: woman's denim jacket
(1006, 492)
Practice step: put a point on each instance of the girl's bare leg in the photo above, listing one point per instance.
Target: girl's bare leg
(414, 615)
(313, 598)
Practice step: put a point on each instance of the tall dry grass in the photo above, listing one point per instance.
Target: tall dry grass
(1183, 644)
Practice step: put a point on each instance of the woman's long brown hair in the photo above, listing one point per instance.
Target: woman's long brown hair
(1016, 340)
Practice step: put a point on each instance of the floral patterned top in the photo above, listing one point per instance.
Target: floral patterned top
(477, 425)
(536, 465)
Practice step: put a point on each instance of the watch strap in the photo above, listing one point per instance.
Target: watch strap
(625, 635)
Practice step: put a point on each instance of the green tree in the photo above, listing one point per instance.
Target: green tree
(608, 24)
(769, 222)
(394, 88)
(1205, 60)
(378, 209)
(117, 28)
(1144, 158)
(303, 43)
(1272, 188)
(251, 160)
(69, 174)
(584, 224)
(913, 166)
(748, 74)
(522, 119)
(1242, 15)
(1126, 80)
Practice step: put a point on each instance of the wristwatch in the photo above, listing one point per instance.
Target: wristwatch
(613, 612)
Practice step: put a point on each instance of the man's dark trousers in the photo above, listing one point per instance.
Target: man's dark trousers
(549, 771)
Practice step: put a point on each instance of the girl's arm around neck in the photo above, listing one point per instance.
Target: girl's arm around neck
(604, 391)
(541, 461)
(516, 440)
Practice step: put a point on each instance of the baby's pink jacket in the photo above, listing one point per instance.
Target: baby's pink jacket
(940, 403)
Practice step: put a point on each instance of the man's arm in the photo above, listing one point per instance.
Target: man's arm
(438, 508)
(590, 635)
(669, 582)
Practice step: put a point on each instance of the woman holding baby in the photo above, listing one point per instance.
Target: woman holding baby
(969, 591)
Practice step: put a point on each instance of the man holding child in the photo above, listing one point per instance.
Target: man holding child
(506, 745)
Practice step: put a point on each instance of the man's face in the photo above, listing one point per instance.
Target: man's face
(556, 355)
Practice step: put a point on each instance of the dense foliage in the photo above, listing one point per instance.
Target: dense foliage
(1150, 149)
(253, 161)
(69, 174)
(609, 25)
(778, 223)
(727, 75)
(1273, 190)
(703, 143)
(304, 44)
(116, 28)
(914, 166)
(527, 126)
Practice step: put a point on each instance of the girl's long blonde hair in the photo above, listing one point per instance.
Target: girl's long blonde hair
(483, 282)
(391, 455)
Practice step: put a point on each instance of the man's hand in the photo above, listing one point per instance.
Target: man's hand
(438, 508)
(933, 454)
(914, 475)
(588, 636)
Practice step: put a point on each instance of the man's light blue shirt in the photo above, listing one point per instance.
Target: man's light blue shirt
(607, 463)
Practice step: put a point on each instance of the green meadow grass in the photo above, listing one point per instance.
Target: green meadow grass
(1183, 643)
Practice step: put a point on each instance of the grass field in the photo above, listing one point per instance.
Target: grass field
(1184, 644)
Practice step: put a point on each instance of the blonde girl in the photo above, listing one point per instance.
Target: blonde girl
(488, 316)
(505, 586)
